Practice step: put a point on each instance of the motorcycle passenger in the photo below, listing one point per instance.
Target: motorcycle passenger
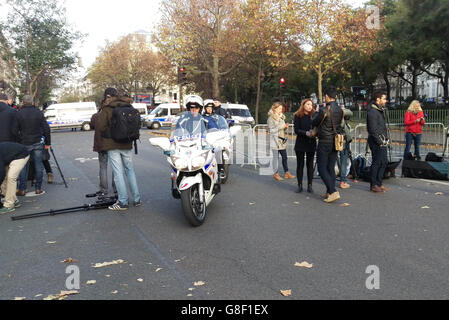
(209, 114)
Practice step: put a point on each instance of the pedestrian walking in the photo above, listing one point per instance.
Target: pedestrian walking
(13, 158)
(7, 120)
(119, 153)
(377, 140)
(346, 152)
(328, 122)
(414, 121)
(102, 154)
(278, 140)
(305, 146)
(32, 129)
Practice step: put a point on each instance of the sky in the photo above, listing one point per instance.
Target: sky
(109, 20)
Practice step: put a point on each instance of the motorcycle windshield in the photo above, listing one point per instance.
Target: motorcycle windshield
(219, 123)
(189, 127)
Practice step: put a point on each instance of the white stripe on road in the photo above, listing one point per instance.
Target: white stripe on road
(434, 181)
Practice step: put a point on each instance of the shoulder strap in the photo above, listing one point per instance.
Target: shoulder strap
(324, 118)
(332, 119)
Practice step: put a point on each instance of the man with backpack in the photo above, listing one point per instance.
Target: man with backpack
(119, 124)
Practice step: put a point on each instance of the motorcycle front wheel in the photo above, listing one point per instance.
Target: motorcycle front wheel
(194, 210)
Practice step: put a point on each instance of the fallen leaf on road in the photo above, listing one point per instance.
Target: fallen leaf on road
(114, 292)
(199, 283)
(252, 203)
(425, 207)
(61, 295)
(91, 282)
(158, 269)
(345, 205)
(69, 260)
(190, 295)
(304, 264)
(191, 289)
(19, 298)
(140, 280)
(286, 293)
(439, 193)
(296, 202)
(106, 264)
(51, 242)
(38, 295)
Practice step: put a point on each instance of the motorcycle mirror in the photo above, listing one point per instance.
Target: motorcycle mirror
(234, 130)
(163, 143)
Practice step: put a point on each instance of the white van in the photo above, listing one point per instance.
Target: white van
(143, 110)
(239, 113)
(164, 115)
(70, 115)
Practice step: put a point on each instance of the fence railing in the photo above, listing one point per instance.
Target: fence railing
(397, 116)
(252, 145)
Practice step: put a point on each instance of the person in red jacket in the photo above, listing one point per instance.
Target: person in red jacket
(414, 122)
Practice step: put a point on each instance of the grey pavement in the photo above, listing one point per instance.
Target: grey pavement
(255, 232)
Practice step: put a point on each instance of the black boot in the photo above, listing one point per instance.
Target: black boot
(309, 189)
(299, 190)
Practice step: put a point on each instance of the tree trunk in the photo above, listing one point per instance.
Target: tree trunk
(216, 78)
(388, 84)
(320, 84)
(414, 85)
(259, 75)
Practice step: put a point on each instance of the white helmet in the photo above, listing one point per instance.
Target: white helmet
(209, 101)
(193, 100)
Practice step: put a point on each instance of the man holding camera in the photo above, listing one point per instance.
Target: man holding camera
(378, 140)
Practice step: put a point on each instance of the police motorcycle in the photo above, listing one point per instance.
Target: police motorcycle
(190, 153)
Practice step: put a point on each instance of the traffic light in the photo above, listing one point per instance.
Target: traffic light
(182, 75)
(282, 82)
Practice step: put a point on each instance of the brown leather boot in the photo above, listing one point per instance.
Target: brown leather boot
(277, 177)
(376, 189)
(384, 189)
(289, 176)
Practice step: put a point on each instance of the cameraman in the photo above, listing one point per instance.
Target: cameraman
(345, 153)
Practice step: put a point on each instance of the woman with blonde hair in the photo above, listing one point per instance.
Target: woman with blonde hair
(305, 146)
(414, 121)
(278, 139)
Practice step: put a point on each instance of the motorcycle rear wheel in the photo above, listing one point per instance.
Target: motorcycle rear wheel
(194, 211)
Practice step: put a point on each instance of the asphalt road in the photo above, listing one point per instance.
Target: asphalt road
(256, 230)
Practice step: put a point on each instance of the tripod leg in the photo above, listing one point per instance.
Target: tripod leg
(59, 168)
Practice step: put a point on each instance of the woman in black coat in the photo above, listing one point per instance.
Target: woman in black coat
(305, 143)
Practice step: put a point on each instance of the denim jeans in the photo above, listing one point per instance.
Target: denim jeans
(121, 162)
(379, 164)
(36, 151)
(326, 160)
(416, 139)
(283, 154)
(343, 164)
(103, 161)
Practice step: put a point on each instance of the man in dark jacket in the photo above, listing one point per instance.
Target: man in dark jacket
(13, 157)
(329, 122)
(377, 140)
(219, 110)
(7, 119)
(30, 127)
(102, 158)
(119, 154)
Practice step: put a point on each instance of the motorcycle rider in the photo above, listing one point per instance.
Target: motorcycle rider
(194, 106)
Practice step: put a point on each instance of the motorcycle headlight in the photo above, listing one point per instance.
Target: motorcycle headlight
(180, 163)
(199, 161)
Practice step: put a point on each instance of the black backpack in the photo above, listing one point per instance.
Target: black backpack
(125, 125)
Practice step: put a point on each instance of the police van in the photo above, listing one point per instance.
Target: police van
(164, 115)
(70, 115)
(239, 113)
(143, 110)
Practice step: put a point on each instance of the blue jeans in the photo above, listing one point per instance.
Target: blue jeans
(36, 152)
(122, 165)
(416, 139)
(344, 158)
(283, 154)
(326, 160)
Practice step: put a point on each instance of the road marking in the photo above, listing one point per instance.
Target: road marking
(438, 182)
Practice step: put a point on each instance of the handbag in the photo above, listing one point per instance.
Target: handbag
(339, 139)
